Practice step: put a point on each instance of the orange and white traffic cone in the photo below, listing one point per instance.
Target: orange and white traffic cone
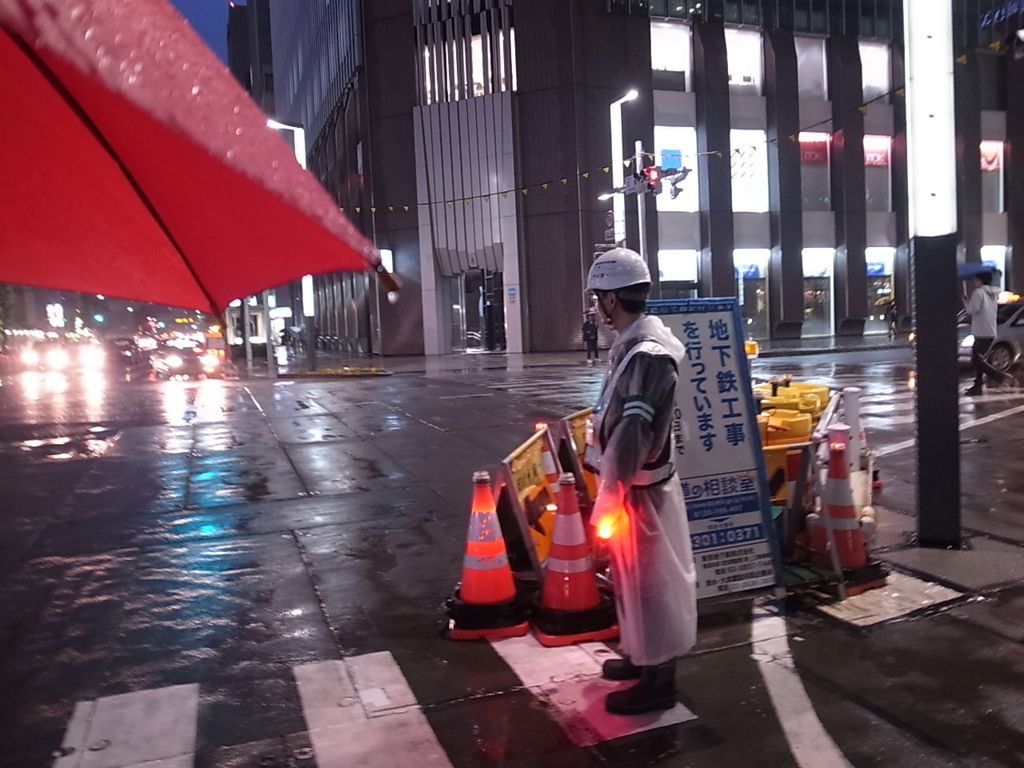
(548, 464)
(571, 609)
(486, 604)
(842, 518)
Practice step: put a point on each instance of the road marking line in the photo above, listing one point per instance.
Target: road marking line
(569, 679)
(361, 711)
(903, 445)
(809, 742)
(134, 728)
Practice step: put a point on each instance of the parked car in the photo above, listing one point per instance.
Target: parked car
(1009, 342)
(173, 362)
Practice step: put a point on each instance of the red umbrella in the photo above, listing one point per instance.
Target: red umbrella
(134, 165)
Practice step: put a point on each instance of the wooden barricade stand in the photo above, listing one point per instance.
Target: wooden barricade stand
(527, 505)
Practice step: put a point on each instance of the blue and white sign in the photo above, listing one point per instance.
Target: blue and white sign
(717, 449)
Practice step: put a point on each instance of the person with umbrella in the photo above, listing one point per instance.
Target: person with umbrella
(981, 306)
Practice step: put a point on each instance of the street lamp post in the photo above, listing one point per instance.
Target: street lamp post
(308, 310)
(618, 177)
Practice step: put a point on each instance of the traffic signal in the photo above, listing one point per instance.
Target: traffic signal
(653, 176)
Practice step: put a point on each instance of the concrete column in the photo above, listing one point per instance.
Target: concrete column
(711, 87)
(785, 270)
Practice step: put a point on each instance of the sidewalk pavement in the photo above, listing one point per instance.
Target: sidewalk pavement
(485, 360)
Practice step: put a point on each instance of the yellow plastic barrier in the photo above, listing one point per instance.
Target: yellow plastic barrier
(783, 427)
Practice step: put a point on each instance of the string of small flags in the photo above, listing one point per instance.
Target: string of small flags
(606, 169)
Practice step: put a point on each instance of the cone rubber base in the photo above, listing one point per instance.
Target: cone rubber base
(517, 630)
(557, 641)
(473, 621)
(860, 580)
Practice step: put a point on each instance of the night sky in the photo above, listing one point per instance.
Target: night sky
(210, 19)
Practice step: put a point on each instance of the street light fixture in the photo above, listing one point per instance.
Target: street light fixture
(618, 177)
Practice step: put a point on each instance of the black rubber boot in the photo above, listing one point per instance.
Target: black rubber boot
(620, 669)
(656, 690)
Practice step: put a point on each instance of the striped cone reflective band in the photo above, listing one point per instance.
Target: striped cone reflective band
(547, 462)
(486, 575)
(569, 581)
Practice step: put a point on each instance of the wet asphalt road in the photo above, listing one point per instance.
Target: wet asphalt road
(222, 534)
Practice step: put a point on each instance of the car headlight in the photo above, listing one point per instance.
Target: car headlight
(92, 357)
(57, 359)
(30, 357)
(173, 361)
(968, 340)
(209, 361)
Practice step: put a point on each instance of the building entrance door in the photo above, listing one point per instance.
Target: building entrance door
(477, 311)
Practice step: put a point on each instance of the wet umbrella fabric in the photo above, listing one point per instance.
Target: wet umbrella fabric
(971, 269)
(136, 166)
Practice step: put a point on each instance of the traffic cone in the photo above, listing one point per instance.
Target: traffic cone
(840, 515)
(548, 464)
(486, 604)
(571, 608)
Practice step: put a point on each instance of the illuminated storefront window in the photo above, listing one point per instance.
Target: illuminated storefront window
(751, 266)
(880, 289)
(874, 65)
(743, 49)
(877, 176)
(818, 266)
(676, 147)
(992, 177)
(671, 49)
(749, 166)
(815, 177)
(811, 67)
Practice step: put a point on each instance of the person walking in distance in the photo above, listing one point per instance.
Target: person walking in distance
(590, 337)
(639, 507)
(981, 306)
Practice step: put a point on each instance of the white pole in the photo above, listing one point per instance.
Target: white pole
(618, 165)
(641, 204)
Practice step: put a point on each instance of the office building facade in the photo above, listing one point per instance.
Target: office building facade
(471, 140)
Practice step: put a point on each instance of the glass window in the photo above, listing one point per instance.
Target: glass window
(881, 307)
(743, 49)
(815, 179)
(811, 67)
(877, 179)
(749, 160)
(676, 147)
(671, 48)
(992, 176)
(874, 65)
(751, 266)
(995, 257)
(818, 264)
(678, 266)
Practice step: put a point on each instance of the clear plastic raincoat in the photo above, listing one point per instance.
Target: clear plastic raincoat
(630, 445)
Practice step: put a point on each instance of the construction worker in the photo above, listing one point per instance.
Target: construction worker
(639, 506)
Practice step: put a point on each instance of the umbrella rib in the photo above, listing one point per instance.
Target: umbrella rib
(87, 121)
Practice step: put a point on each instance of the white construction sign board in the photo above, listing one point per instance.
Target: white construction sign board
(717, 449)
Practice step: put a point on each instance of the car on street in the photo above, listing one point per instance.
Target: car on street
(1009, 341)
(177, 362)
(123, 350)
(61, 355)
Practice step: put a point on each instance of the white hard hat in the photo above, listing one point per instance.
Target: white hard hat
(617, 268)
